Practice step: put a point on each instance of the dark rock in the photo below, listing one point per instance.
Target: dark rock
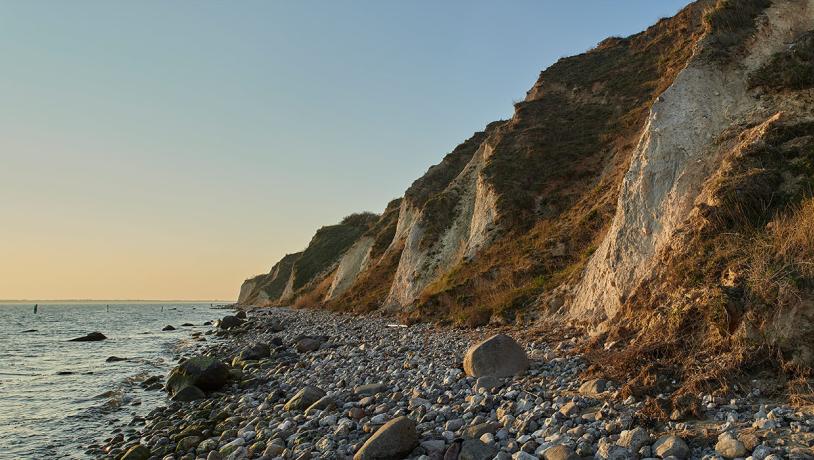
(474, 449)
(29, 330)
(188, 393)
(92, 337)
(241, 314)
(306, 344)
(114, 359)
(255, 352)
(137, 452)
(187, 325)
(168, 328)
(498, 356)
(229, 322)
(208, 374)
(394, 440)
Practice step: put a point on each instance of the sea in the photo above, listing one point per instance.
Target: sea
(58, 397)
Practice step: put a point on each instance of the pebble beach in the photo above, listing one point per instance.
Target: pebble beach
(310, 384)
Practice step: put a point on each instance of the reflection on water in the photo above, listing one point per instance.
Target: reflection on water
(57, 397)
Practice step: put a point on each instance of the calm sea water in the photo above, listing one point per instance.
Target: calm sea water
(47, 415)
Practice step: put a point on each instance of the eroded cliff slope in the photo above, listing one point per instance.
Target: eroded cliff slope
(628, 192)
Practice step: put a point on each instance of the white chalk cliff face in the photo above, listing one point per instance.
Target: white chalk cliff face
(472, 210)
(354, 261)
(675, 155)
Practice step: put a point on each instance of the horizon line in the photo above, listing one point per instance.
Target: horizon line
(117, 300)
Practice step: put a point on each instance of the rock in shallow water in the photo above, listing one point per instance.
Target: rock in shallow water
(92, 337)
(497, 356)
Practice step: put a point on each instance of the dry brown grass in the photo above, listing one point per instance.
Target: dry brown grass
(314, 297)
(781, 260)
(706, 318)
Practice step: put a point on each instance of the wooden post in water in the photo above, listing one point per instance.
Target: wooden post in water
(35, 308)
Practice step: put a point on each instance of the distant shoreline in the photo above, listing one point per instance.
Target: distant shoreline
(110, 301)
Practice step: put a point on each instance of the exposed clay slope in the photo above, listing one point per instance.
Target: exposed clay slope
(596, 201)
(296, 273)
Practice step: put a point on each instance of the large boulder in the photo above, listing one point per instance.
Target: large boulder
(394, 440)
(137, 452)
(208, 374)
(497, 356)
(92, 337)
(304, 398)
(188, 393)
(229, 322)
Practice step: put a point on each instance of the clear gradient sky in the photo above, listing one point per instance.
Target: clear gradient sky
(169, 150)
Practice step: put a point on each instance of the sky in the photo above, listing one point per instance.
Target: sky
(170, 150)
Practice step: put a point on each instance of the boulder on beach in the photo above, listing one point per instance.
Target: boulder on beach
(497, 356)
(168, 328)
(114, 359)
(92, 337)
(229, 322)
(394, 440)
(188, 393)
(241, 314)
(187, 325)
(137, 452)
(208, 374)
(304, 398)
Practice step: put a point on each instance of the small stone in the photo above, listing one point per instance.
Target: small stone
(304, 398)
(474, 449)
(674, 446)
(593, 387)
(729, 447)
(476, 431)
(634, 439)
(369, 389)
(560, 452)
